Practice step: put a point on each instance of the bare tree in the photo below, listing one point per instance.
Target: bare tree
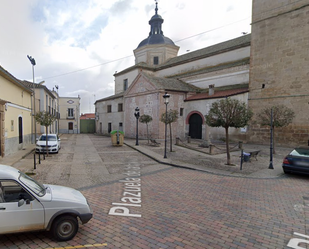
(282, 116)
(146, 119)
(228, 113)
(171, 117)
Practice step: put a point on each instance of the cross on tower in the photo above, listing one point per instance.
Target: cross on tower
(156, 6)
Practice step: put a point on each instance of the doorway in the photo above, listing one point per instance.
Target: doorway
(195, 126)
(70, 127)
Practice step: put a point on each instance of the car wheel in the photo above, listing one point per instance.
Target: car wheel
(65, 228)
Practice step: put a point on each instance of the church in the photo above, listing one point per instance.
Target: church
(193, 81)
(262, 69)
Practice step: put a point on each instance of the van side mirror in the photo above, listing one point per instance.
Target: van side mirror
(21, 202)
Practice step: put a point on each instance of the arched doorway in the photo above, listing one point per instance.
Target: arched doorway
(195, 126)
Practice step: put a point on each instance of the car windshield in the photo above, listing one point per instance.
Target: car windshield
(33, 185)
(50, 138)
(300, 152)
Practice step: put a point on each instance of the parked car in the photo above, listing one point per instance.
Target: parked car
(297, 161)
(27, 205)
(53, 143)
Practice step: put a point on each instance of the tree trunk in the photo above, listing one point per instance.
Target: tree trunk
(228, 156)
(46, 140)
(147, 133)
(274, 151)
(171, 138)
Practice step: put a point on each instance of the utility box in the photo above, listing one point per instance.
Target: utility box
(117, 138)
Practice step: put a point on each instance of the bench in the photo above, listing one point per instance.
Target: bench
(154, 142)
(254, 154)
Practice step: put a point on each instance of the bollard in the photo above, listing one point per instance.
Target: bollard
(39, 157)
(211, 149)
(241, 158)
(189, 139)
(240, 143)
(177, 140)
(34, 160)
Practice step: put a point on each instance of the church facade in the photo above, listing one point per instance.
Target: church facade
(194, 81)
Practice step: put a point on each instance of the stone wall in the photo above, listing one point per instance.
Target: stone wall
(279, 66)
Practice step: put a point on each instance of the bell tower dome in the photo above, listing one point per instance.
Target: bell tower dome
(156, 49)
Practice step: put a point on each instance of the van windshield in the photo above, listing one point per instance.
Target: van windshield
(32, 184)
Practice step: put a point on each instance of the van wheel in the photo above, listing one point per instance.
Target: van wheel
(65, 228)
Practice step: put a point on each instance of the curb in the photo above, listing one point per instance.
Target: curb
(201, 170)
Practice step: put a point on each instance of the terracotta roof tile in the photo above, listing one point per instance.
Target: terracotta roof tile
(218, 94)
(87, 116)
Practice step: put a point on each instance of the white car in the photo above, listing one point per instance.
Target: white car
(53, 143)
(26, 205)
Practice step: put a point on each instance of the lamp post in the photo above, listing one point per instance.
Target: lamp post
(33, 122)
(58, 115)
(166, 99)
(136, 114)
(271, 166)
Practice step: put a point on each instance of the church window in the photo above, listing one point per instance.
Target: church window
(125, 84)
(181, 112)
(156, 60)
(120, 107)
(109, 108)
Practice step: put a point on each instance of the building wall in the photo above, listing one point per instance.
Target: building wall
(64, 104)
(150, 101)
(104, 118)
(120, 78)
(225, 77)
(12, 115)
(279, 59)
(18, 105)
(164, 53)
(15, 94)
(214, 60)
(214, 133)
(45, 102)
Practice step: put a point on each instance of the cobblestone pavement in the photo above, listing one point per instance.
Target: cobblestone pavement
(180, 208)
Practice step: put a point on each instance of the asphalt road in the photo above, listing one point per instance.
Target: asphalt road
(139, 203)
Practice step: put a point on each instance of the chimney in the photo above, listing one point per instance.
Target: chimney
(211, 90)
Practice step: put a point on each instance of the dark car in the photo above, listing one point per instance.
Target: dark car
(297, 161)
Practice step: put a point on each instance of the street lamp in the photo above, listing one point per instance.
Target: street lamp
(33, 122)
(58, 114)
(271, 166)
(166, 99)
(136, 114)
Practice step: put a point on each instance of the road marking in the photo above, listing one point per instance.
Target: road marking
(80, 246)
(131, 195)
(294, 242)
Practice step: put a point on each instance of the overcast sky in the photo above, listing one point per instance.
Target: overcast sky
(78, 45)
